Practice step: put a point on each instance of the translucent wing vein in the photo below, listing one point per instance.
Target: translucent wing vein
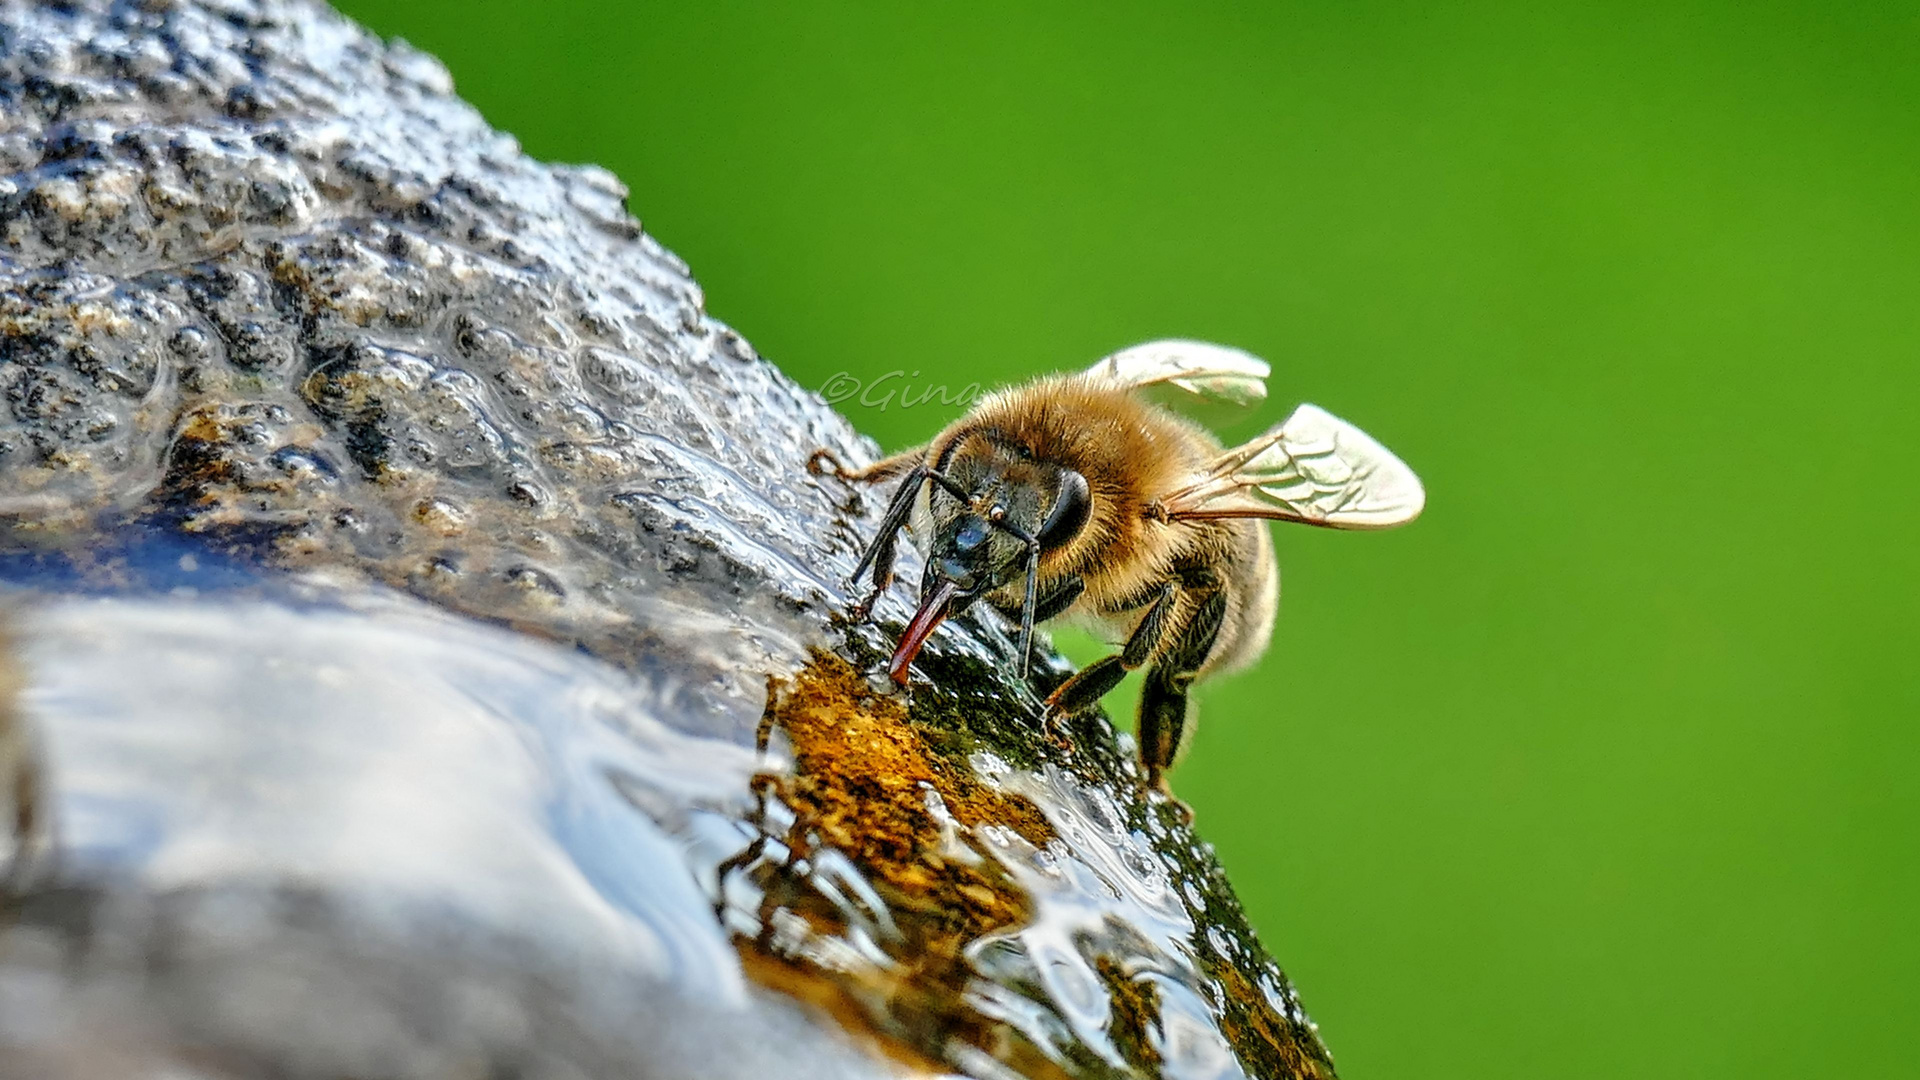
(1214, 372)
(1313, 468)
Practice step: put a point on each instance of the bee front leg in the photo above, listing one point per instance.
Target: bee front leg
(1164, 730)
(880, 553)
(1059, 597)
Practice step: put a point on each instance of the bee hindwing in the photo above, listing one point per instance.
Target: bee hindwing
(1314, 468)
(1214, 372)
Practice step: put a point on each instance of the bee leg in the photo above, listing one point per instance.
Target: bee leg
(1029, 613)
(1164, 730)
(1163, 726)
(879, 554)
(1147, 636)
(824, 462)
(1085, 689)
(1060, 596)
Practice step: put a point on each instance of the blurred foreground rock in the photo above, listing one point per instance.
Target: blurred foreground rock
(424, 651)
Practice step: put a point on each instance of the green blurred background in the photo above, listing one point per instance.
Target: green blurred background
(1607, 766)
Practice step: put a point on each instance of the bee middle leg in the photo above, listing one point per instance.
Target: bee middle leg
(1086, 688)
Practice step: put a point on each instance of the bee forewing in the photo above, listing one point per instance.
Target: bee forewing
(1314, 468)
(1205, 370)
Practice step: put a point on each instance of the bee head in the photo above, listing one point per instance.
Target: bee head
(993, 513)
(996, 508)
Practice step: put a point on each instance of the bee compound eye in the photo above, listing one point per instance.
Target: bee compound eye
(970, 535)
(1069, 511)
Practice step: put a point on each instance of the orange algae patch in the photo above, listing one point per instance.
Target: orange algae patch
(1250, 1022)
(1133, 1014)
(858, 761)
(864, 785)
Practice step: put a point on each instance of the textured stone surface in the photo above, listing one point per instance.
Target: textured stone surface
(396, 543)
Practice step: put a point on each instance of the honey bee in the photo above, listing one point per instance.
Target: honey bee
(1074, 496)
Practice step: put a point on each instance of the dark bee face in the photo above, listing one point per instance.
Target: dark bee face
(980, 544)
(994, 512)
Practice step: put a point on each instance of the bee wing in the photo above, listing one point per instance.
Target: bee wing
(1314, 468)
(1205, 370)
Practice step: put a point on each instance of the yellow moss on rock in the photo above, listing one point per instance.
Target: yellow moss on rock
(863, 785)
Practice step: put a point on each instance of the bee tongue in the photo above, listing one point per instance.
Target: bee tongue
(930, 615)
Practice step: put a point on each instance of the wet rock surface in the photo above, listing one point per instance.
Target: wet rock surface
(423, 618)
